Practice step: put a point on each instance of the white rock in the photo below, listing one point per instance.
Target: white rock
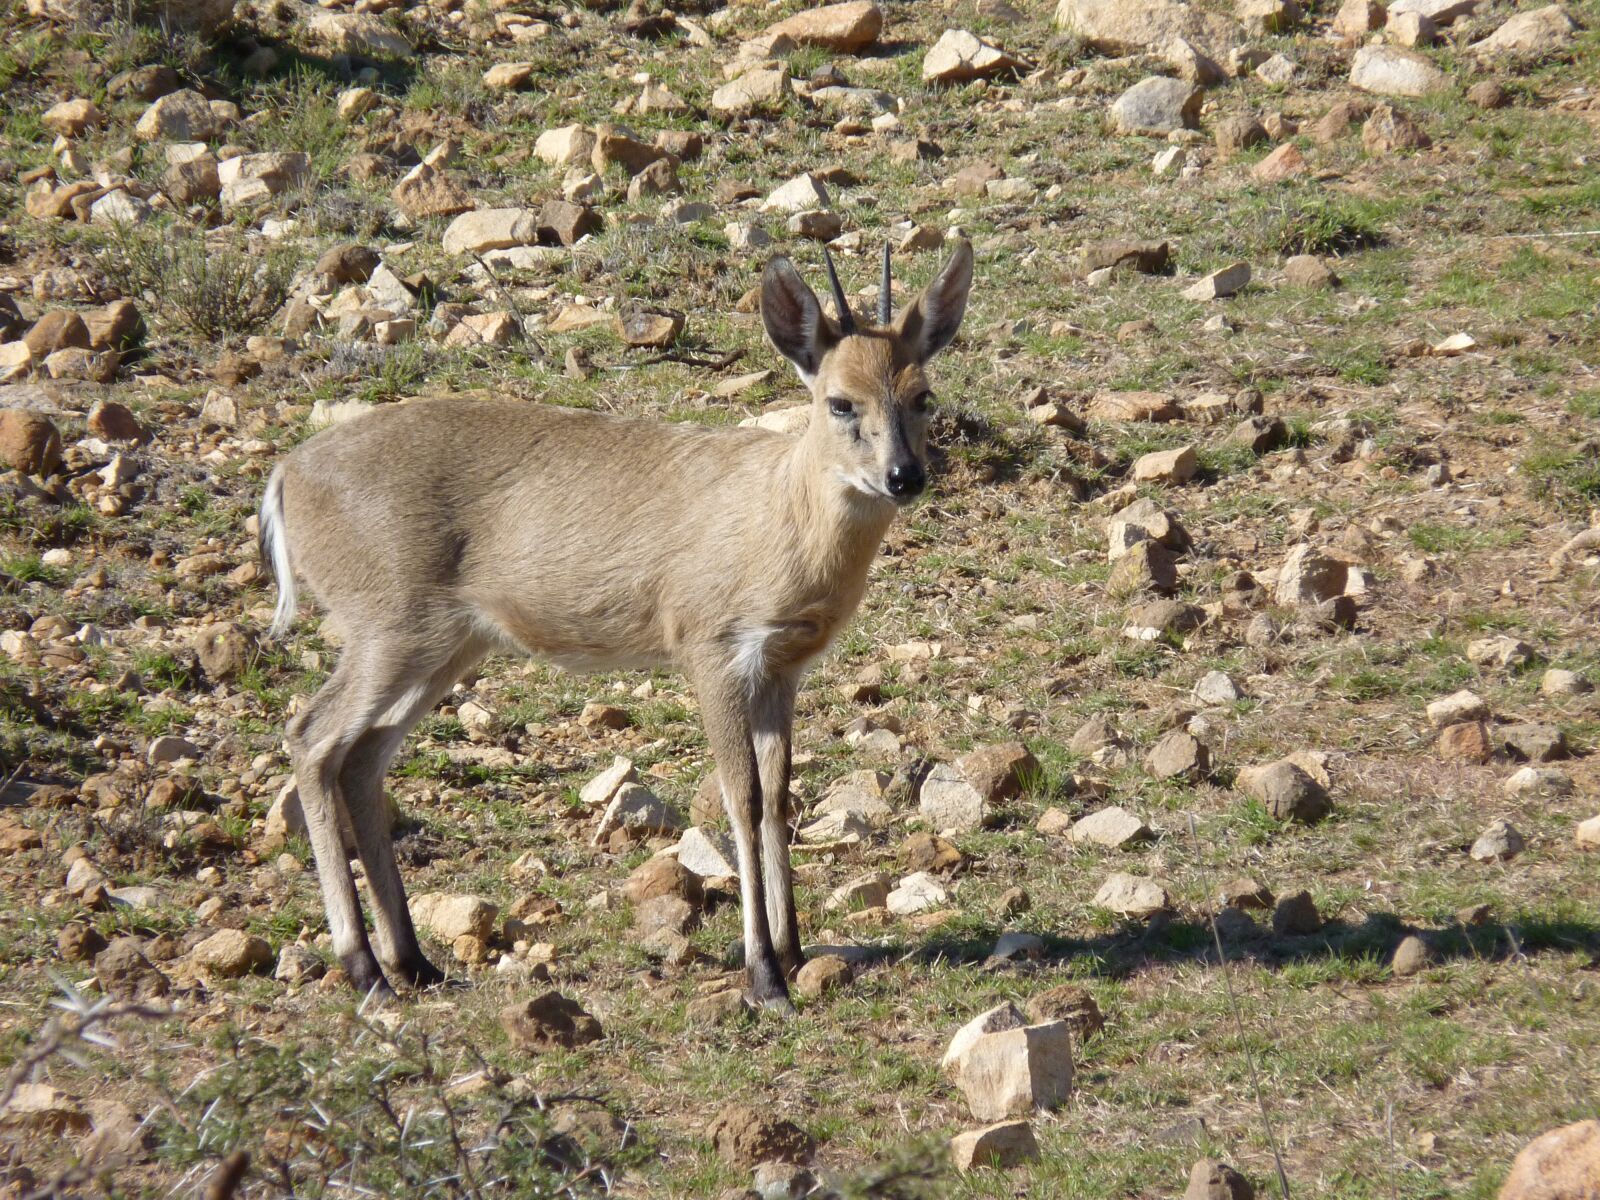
(1015, 1071)
(1217, 687)
(1113, 827)
(1465, 705)
(1132, 895)
(1387, 71)
(170, 749)
(870, 891)
(636, 808)
(567, 146)
(448, 916)
(1440, 12)
(1538, 31)
(917, 893)
(948, 801)
(1538, 781)
(708, 853)
(491, 229)
(800, 194)
(1219, 284)
(598, 792)
(995, 1020)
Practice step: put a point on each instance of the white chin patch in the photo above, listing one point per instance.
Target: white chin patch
(860, 483)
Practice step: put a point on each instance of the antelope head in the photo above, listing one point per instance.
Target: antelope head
(869, 392)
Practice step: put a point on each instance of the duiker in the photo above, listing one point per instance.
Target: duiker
(437, 532)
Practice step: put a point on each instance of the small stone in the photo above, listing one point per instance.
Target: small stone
(1001, 1145)
(231, 953)
(1179, 755)
(1533, 742)
(998, 772)
(1538, 31)
(1011, 1071)
(1410, 956)
(948, 802)
(1558, 682)
(1219, 285)
(508, 76)
(1488, 94)
(299, 965)
(648, 330)
(1068, 1003)
(1563, 1164)
(77, 942)
(1538, 781)
(29, 442)
(122, 971)
(1113, 827)
(1132, 895)
(822, 975)
(1133, 406)
(1234, 134)
(548, 1021)
(928, 852)
(761, 88)
(743, 1136)
(1309, 272)
(1212, 1180)
(1499, 842)
(917, 892)
(1357, 18)
(959, 57)
(847, 28)
(448, 916)
(1465, 741)
(1411, 29)
(491, 229)
(1166, 466)
(663, 876)
(1464, 705)
(1286, 792)
(870, 891)
(800, 194)
(1387, 71)
(1245, 894)
(71, 118)
(425, 191)
(1500, 651)
(1286, 162)
(1587, 834)
(357, 34)
(1388, 130)
(1157, 105)
(567, 146)
(181, 116)
(1296, 916)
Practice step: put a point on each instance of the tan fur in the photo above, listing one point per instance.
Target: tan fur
(438, 531)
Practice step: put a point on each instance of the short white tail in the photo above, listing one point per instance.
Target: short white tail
(275, 550)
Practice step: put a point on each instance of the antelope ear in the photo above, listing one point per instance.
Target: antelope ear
(929, 323)
(793, 318)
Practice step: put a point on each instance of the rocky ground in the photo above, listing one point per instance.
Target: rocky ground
(1254, 600)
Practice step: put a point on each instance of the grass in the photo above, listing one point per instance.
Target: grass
(1381, 1085)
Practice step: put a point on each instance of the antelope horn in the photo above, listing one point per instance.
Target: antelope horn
(847, 319)
(885, 290)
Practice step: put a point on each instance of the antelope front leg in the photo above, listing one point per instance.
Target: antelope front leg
(727, 722)
(773, 721)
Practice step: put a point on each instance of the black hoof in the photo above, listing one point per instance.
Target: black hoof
(365, 975)
(419, 973)
(778, 1004)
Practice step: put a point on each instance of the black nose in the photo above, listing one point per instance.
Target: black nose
(907, 479)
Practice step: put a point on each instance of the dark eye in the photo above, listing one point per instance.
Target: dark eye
(920, 402)
(841, 407)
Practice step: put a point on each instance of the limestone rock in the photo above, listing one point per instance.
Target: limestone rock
(29, 442)
(1219, 285)
(181, 116)
(425, 191)
(1013, 1071)
(761, 88)
(1499, 842)
(1211, 1180)
(848, 28)
(947, 801)
(1003, 1144)
(1537, 31)
(743, 1136)
(356, 33)
(1563, 1164)
(1465, 705)
(916, 893)
(448, 915)
(998, 772)
(231, 953)
(1121, 27)
(548, 1021)
(1113, 827)
(1132, 895)
(799, 194)
(638, 810)
(491, 229)
(822, 975)
(959, 57)
(1389, 130)
(1286, 791)
(708, 853)
(1157, 105)
(1179, 755)
(1166, 466)
(1387, 71)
